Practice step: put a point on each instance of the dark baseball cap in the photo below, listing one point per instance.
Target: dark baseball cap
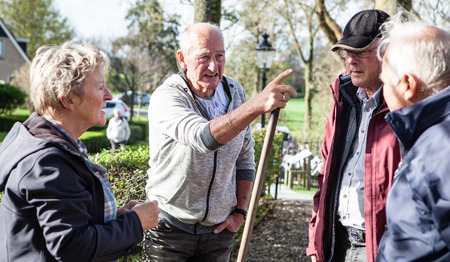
(362, 30)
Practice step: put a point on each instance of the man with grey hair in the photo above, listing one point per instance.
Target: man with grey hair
(201, 150)
(360, 152)
(416, 76)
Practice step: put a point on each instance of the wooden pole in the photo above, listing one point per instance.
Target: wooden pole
(258, 185)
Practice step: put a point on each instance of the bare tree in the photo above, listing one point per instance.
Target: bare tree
(146, 56)
(303, 47)
(329, 27)
(207, 11)
(392, 6)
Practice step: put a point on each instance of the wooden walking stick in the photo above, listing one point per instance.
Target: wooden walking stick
(257, 187)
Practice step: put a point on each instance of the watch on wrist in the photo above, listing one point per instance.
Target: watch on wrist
(240, 211)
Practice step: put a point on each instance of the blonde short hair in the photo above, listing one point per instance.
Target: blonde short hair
(57, 71)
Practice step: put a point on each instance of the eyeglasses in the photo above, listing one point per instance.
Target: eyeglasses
(363, 54)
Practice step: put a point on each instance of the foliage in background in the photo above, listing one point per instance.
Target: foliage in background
(128, 171)
(11, 98)
(7, 121)
(36, 20)
(274, 163)
(22, 80)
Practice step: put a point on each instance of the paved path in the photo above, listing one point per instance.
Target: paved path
(282, 235)
(284, 193)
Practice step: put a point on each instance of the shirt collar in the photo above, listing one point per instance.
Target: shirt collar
(362, 96)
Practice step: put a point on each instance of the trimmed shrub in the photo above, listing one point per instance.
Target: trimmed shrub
(11, 97)
(128, 171)
(144, 127)
(95, 141)
(274, 163)
(98, 128)
(7, 121)
(136, 134)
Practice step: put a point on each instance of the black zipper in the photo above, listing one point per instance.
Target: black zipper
(210, 186)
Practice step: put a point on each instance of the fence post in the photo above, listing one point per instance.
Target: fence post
(308, 172)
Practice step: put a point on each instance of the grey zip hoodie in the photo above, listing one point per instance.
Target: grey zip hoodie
(191, 175)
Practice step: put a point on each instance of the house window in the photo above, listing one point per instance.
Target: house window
(2, 48)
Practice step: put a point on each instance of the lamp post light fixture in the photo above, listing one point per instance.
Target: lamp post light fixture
(264, 54)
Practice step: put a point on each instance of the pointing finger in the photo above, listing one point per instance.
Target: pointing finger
(282, 76)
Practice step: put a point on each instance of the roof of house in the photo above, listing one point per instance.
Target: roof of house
(14, 41)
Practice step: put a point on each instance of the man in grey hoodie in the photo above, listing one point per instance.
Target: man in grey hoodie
(201, 150)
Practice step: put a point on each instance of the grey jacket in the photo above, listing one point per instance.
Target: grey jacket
(191, 175)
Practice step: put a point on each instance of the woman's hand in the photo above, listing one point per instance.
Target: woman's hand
(148, 214)
(127, 207)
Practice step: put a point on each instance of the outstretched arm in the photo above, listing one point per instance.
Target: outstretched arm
(275, 95)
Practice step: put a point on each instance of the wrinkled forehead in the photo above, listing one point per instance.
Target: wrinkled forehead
(208, 51)
(207, 38)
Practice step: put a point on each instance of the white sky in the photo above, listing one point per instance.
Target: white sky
(105, 19)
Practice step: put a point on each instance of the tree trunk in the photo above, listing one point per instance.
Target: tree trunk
(392, 6)
(329, 27)
(207, 11)
(308, 97)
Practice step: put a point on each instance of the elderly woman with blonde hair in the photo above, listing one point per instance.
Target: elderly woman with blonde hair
(57, 204)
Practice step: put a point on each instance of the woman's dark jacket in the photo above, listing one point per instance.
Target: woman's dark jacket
(52, 207)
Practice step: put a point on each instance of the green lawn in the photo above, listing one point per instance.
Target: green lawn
(21, 112)
(292, 115)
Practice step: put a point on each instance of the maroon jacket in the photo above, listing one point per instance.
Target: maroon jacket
(382, 157)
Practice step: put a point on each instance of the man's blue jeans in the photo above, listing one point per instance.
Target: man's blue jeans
(168, 243)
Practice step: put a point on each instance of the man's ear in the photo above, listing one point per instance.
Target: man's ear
(180, 58)
(412, 87)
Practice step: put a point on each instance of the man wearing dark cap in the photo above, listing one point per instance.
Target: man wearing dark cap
(360, 152)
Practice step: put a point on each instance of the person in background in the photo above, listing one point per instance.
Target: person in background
(360, 152)
(118, 131)
(57, 204)
(416, 76)
(201, 150)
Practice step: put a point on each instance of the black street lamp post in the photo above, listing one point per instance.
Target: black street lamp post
(264, 53)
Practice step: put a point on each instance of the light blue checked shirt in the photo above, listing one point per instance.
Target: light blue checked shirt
(110, 211)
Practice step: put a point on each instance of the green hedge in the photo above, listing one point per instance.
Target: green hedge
(144, 127)
(96, 141)
(7, 121)
(275, 158)
(128, 171)
(11, 97)
(98, 128)
(136, 134)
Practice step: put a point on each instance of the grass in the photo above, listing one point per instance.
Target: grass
(293, 115)
(312, 191)
(21, 112)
